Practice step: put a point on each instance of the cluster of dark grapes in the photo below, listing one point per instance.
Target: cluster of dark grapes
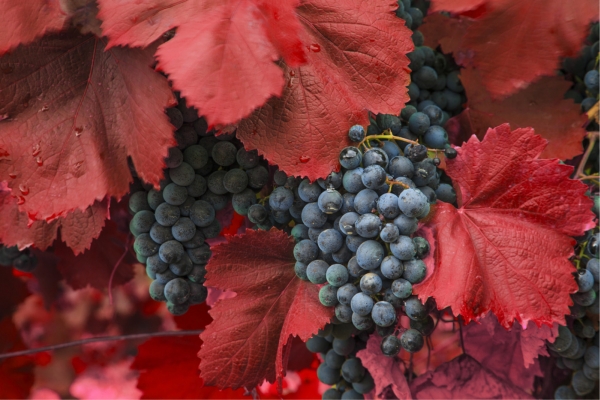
(338, 345)
(576, 347)
(583, 71)
(24, 260)
(204, 173)
(435, 77)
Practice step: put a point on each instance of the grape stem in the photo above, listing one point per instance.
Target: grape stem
(114, 270)
(391, 183)
(592, 136)
(387, 136)
(98, 339)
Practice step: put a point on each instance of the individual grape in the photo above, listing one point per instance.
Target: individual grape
(362, 323)
(414, 309)
(391, 149)
(224, 153)
(334, 360)
(412, 202)
(348, 204)
(138, 201)
(142, 221)
(346, 223)
(300, 270)
(356, 133)
(182, 267)
(171, 251)
(345, 293)
(257, 177)
(383, 314)
(450, 153)
(401, 166)
(370, 283)
(247, 159)
(353, 370)
(316, 271)
(243, 201)
(390, 346)
(196, 156)
(368, 225)
(406, 225)
(412, 340)
(198, 293)
(183, 175)
(362, 304)
(414, 271)
(593, 266)
(435, 137)
(167, 214)
(564, 339)
(309, 192)
(202, 213)
(389, 233)
(328, 295)
(434, 113)
(215, 182)
(177, 291)
(313, 233)
(155, 264)
(328, 375)
(175, 117)
(591, 80)
(350, 157)
(235, 180)
(352, 180)
(183, 230)
(453, 82)
(312, 216)
(281, 199)
(446, 193)
(592, 357)
(144, 245)
(317, 344)
(257, 214)
(299, 231)
(581, 384)
(585, 299)
(330, 201)
(421, 247)
(387, 205)
(354, 269)
(391, 267)
(197, 273)
(280, 178)
(306, 251)
(375, 156)
(330, 241)
(166, 276)
(366, 201)
(199, 255)
(336, 275)
(584, 279)
(24, 263)
(331, 394)
(370, 254)
(425, 326)
(364, 386)
(373, 176)
(577, 346)
(178, 309)
(343, 313)
(418, 123)
(157, 291)
(415, 153)
(425, 78)
(353, 242)
(403, 248)
(416, 57)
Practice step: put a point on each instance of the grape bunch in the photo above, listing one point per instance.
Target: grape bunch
(23, 261)
(204, 174)
(576, 348)
(337, 344)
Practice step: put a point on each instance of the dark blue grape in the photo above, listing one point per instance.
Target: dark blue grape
(362, 304)
(390, 346)
(591, 80)
(368, 225)
(414, 309)
(330, 201)
(346, 223)
(317, 344)
(312, 216)
(425, 77)
(406, 225)
(353, 370)
(585, 280)
(453, 82)
(421, 247)
(352, 180)
(224, 153)
(330, 240)
(356, 133)
(182, 267)
(418, 123)
(257, 177)
(412, 202)
(174, 158)
(436, 137)
(414, 271)
(202, 213)
(350, 157)
(425, 326)
(383, 314)
(581, 384)
(196, 156)
(157, 291)
(370, 254)
(144, 245)
(177, 291)
(212, 230)
(387, 205)
(183, 175)
(281, 199)
(306, 251)
(171, 251)
(197, 274)
(138, 201)
(364, 386)
(389, 233)
(257, 214)
(194, 242)
(186, 207)
(235, 180)
(143, 221)
(183, 230)
(403, 248)
(309, 192)
(401, 166)
(412, 340)
(354, 269)
(328, 296)
(375, 156)
(199, 255)
(370, 283)
(243, 201)
(343, 255)
(348, 204)
(343, 313)
(446, 193)
(353, 242)
(365, 201)
(346, 292)
(198, 293)
(247, 159)
(362, 323)
(391, 267)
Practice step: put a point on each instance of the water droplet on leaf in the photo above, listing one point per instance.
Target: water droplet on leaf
(12, 176)
(304, 159)
(20, 200)
(24, 189)
(36, 149)
(315, 47)
(39, 161)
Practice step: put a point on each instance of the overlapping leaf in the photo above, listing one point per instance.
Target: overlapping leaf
(249, 339)
(356, 62)
(72, 114)
(506, 247)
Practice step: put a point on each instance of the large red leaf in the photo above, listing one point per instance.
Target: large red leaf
(94, 267)
(456, 6)
(227, 68)
(16, 373)
(78, 228)
(24, 21)
(74, 112)
(249, 339)
(516, 42)
(356, 62)
(507, 247)
(464, 378)
(541, 106)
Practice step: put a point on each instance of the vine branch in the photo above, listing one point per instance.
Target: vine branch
(98, 339)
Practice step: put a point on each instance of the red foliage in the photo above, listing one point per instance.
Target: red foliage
(227, 68)
(91, 109)
(464, 378)
(513, 43)
(24, 21)
(506, 248)
(456, 6)
(386, 371)
(94, 267)
(16, 373)
(304, 130)
(249, 339)
(541, 106)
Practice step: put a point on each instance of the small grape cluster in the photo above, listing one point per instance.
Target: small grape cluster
(583, 71)
(204, 174)
(435, 77)
(576, 347)
(23, 261)
(340, 368)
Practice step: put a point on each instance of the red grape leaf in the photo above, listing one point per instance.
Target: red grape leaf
(356, 62)
(447, 32)
(507, 247)
(78, 228)
(16, 373)
(516, 42)
(464, 378)
(385, 370)
(227, 68)
(95, 266)
(249, 339)
(91, 109)
(541, 106)
(25, 21)
(12, 292)
(455, 6)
